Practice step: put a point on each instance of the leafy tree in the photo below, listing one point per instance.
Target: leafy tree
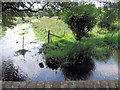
(108, 15)
(81, 18)
(10, 10)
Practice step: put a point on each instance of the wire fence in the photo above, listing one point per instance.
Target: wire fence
(53, 35)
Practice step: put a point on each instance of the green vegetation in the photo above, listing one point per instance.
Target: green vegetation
(25, 32)
(67, 49)
(87, 32)
(80, 18)
(108, 15)
(22, 51)
(57, 27)
(25, 29)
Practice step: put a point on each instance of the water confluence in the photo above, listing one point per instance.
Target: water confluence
(32, 66)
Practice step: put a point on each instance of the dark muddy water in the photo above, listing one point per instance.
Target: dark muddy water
(32, 66)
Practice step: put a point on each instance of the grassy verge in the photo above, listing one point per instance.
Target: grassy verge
(67, 49)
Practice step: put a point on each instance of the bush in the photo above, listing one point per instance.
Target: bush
(80, 18)
(111, 40)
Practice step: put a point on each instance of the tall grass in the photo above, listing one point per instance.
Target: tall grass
(57, 27)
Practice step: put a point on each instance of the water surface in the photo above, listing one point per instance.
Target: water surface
(32, 66)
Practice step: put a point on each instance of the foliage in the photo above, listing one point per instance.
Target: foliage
(8, 18)
(69, 50)
(9, 15)
(10, 10)
(80, 17)
(22, 51)
(108, 15)
(25, 32)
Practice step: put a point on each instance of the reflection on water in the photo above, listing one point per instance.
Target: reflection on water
(30, 66)
(53, 64)
(10, 73)
(81, 71)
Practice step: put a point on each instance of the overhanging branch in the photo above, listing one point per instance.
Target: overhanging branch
(28, 9)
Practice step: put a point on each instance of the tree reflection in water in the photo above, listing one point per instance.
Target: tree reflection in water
(53, 64)
(80, 71)
(10, 73)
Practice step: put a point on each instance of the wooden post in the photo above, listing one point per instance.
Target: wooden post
(48, 36)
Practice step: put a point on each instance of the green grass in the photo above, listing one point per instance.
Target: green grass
(68, 48)
(57, 27)
(97, 46)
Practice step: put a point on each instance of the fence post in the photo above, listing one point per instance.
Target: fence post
(48, 36)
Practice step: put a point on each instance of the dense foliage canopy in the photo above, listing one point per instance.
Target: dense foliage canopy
(108, 15)
(81, 18)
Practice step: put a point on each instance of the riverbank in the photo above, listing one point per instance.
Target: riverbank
(97, 45)
(88, 48)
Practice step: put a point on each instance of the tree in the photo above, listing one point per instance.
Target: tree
(108, 15)
(81, 18)
(10, 10)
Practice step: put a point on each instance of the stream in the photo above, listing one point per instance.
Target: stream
(28, 67)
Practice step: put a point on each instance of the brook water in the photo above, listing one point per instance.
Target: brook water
(32, 66)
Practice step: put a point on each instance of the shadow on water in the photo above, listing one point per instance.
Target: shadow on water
(10, 73)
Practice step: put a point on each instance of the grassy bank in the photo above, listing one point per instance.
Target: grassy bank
(55, 26)
(67, 49)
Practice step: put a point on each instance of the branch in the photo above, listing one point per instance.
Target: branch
(28, 9)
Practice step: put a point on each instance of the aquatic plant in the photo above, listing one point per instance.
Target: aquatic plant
(25, 32)
(22, 51)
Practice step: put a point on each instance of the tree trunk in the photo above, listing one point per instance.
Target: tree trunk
(79, 35)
